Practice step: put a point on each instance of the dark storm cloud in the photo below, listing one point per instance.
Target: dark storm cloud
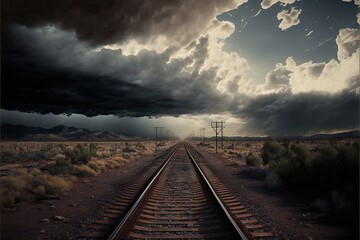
(286, 114)
(49, 71)
(111, 21)
(57, 74)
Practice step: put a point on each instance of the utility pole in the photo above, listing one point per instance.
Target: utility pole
(202, 134)
(222, 134)
(218, 128)
(157, 138)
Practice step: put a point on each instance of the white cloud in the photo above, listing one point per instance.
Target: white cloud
(309, 33)
(257, 14)
(331, 77)
(356, 2)
(348, 41)
(276, 81)
(288, 18)
(265, 4)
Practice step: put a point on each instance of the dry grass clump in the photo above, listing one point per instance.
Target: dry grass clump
(50, 167)
(23, 183)
(84, 171)
(104, 154)
(97, 165)
(112, 164)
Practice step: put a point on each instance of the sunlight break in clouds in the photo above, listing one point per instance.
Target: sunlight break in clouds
(333, 76)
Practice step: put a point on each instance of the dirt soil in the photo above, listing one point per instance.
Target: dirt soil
(289, 217)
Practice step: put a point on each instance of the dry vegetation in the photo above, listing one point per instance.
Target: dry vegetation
(326, 172)
(38, 170)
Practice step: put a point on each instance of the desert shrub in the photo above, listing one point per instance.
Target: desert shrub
(20, 171)
(286, 143)
(104, 154)
(62, 162)
(47, 151)
(231, 146)
(33, 155)
(9, 156)
(272, 151)
(62, 167)
(204, 144)
(93, 148)
(15, 183)
(140, 145)
(80, 154)
(84, 171)
(39, 191)
(299, 153)
(21, 183)
(252, 160)
(332, 172)
(128, 149)
(112, 164)
(56, 185)
(289, 171)
(57, 170)
(98, 166)
(126, 155)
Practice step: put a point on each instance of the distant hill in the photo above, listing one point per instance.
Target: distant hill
(58, 133)
(351, 134)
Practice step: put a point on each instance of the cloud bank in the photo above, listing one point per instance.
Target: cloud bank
(57, 65)
(106, 21)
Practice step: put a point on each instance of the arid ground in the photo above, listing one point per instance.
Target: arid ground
(51, 191)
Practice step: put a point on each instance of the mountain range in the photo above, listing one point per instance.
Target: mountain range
(350, 134)
(64, 133)
(58, 133)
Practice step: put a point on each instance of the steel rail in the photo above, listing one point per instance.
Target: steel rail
(234, 225)
(123, 222)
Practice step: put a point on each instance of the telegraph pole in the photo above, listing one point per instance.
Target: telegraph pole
(202, 134)
(157, 138)
(222, 135)
(218, 128)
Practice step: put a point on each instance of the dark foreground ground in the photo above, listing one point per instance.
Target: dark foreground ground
(289, 217)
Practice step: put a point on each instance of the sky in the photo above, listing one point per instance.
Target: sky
(265, 67)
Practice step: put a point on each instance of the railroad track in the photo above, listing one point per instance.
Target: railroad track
(184, 200)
